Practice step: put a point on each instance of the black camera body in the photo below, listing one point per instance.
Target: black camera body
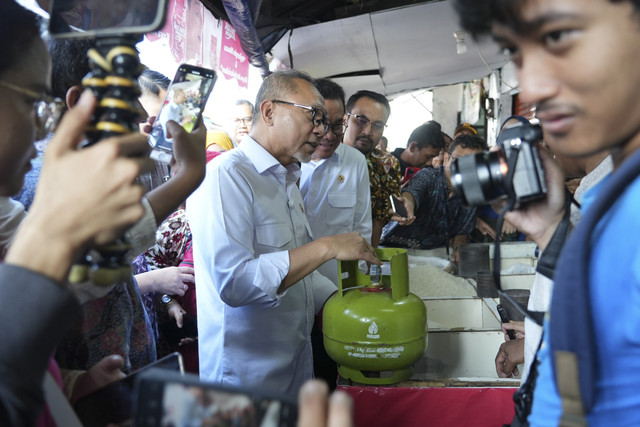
(482, 178)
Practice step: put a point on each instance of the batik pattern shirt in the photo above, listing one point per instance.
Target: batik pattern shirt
(384, 179)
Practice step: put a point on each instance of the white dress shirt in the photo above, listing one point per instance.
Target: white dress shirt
(336, 198)
(245, 217)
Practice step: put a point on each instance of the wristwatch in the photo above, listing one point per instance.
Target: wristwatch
(166, 299)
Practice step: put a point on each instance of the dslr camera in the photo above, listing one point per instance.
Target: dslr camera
(484, 177)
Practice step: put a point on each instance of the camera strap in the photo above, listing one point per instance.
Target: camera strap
(512, 161)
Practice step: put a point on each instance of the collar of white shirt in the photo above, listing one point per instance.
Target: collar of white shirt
(263, 160)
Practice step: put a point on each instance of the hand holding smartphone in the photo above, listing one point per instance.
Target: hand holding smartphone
(505, 319)
(185, 100)
(398, 206)
(166, 398)
(114, 403)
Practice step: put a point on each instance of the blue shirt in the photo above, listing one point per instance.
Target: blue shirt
(614, 275)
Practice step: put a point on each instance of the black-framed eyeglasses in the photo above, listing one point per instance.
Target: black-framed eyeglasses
(317, 115)
(363, 121)
(337, 128)
(48, 109)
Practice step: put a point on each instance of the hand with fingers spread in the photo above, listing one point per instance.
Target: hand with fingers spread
(98, 182)
(318, 409)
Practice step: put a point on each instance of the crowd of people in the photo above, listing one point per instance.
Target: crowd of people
(242, 234)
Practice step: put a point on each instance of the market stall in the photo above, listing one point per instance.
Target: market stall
(454, 383)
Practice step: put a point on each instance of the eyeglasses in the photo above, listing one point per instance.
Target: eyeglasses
(363, 122)
(321, 121)
(48, 109)
(245, 121)
(337, 128)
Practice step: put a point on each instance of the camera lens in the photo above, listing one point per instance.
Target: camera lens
(478, 178)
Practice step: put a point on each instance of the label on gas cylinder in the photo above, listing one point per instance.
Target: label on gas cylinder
(383, 352)
(373, 331)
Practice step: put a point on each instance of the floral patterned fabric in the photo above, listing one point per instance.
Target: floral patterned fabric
(172, 238)
(384, 179)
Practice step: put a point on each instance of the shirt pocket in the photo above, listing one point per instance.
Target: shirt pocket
(343, 205)
(274, 235)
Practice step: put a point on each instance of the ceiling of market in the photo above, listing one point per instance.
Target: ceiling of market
(382, 45)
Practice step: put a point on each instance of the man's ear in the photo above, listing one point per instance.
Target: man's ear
(73, 95)
(412, 147)
(266, 112)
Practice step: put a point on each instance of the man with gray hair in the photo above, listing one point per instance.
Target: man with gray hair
(255, 259)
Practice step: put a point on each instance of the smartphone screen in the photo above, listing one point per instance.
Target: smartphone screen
(185, 100)
(168, 399)
(114, 402)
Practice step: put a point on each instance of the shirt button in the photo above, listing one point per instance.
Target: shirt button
(291, 204)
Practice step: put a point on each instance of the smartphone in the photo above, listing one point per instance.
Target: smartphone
(398, 206)
(114, 402)
(91, 19)
(185, 100)
(168, 399)
(505, 319)
(174, 335)
(409, 173)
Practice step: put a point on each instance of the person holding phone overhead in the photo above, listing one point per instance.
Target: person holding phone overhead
(255, 259)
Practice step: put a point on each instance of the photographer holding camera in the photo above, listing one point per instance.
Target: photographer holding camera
(577, 62)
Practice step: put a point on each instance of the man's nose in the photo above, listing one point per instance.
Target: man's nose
(367, 129)
(537, 79)
(320, 130)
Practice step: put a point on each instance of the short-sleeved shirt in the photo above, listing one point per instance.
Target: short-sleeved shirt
(439, 216)
(384, 180)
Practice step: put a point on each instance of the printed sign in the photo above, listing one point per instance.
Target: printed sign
(234, 63)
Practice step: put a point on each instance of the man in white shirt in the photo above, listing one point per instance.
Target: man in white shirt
(335, 189)
(335, 183)
(257, 291)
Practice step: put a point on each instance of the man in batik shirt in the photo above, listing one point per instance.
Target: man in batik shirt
(365, 120)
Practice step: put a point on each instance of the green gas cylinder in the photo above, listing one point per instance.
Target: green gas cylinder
(373, 327)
